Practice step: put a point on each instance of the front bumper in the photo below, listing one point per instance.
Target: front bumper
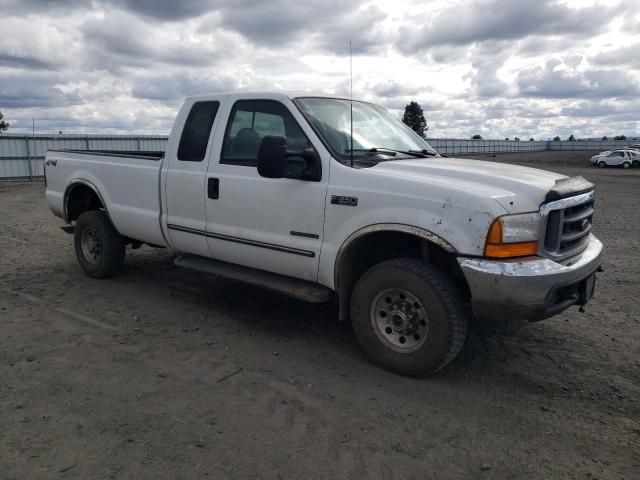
(532, 288)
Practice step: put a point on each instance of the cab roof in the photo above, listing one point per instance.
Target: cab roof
(271, 94)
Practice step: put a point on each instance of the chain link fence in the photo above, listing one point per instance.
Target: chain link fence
(450, 146)
(22, 156)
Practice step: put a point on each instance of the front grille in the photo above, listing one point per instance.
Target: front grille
(568, 223)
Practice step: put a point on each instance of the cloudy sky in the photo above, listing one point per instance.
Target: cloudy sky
(497, 68)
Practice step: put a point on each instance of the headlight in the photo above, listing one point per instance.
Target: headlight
(513, 236)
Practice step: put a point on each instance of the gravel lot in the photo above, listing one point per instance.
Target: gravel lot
(165, 373)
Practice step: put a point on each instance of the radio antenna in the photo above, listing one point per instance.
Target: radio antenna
(351, 95)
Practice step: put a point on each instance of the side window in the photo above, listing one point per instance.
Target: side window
(269, 124)
(196, 132)
(250, 121)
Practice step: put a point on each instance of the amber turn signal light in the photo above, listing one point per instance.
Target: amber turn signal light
(495, 248)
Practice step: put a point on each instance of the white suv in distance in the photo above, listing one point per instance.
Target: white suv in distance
(624, 158)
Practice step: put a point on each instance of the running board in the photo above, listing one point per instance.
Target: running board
(294, 287)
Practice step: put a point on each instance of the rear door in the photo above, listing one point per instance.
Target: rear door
(270, 224)
(186, 174)
(615, 158)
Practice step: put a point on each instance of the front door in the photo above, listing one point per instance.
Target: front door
(271, 224)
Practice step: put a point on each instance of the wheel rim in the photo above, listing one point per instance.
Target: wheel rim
(91, 245)
(601, 164)
(399, 320)
(625, 165)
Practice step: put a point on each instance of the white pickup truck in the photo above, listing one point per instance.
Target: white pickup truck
(323, 198)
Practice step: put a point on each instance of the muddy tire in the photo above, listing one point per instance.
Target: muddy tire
(100, 249)
(408, 316)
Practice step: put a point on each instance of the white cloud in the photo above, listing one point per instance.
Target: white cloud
(494, 67)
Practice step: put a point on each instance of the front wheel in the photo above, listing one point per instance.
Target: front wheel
(602, 164)
(408, 316)
(99, 247)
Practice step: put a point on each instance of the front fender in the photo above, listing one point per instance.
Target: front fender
(454, 228)
(388, 227)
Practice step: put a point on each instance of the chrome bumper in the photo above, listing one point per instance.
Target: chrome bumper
(532, 288)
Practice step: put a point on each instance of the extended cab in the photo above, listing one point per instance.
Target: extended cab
(323, 198)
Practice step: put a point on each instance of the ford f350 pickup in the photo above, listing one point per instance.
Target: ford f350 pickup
(323, 198)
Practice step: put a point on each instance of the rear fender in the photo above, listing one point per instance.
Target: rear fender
(75, 183)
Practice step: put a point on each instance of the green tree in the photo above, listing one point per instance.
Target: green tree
(414, 118)
(531, 139)
(476, 137)
(605, 138)
(571, 138)
(507, 139)
(3, 125)
(619, 137)
(517, 139)
(556, 138)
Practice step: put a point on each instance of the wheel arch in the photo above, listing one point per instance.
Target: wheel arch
(80, 196)
(375, 243)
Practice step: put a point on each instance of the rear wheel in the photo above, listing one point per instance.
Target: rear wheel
(100, 249)
(602, 164)
(408, 316)
(626, 165)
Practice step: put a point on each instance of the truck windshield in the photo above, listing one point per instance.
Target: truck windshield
(377, 135)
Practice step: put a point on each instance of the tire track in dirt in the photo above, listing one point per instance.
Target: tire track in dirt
(64, 311)
(287, 412)
(304, 428)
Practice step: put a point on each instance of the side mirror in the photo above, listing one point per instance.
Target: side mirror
(313, 170)
(272, 156)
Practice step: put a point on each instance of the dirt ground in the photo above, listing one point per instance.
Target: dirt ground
(164, 373)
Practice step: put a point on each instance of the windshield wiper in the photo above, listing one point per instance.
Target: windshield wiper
(393, 152)
(384, 151)
(423, 152)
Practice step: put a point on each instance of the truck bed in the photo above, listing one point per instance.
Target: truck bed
(128, 181)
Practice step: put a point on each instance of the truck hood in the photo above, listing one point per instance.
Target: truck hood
(517, 189)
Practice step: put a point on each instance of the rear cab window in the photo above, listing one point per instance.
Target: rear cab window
(196, 131)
